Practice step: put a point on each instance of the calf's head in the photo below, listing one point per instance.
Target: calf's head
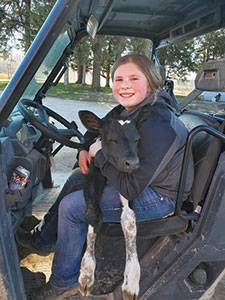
(119, 139)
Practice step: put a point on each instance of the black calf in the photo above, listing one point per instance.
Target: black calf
(120, 147)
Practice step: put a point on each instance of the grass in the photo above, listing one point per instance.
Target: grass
(179, 97)
(78, 92)
(5, 76)
(3, 84)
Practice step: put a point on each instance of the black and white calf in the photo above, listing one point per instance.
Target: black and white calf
(119, 139)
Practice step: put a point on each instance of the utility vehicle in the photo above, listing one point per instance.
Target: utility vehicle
(181, 256)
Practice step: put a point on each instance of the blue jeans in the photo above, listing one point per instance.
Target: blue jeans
(72, 227)
(47, 233)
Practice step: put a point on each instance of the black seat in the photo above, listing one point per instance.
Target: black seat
(206, 150)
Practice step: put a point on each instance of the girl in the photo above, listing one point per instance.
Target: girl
(153, 186)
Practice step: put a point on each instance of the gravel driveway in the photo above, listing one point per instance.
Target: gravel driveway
(65, 159)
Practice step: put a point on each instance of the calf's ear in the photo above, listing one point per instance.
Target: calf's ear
(90, 120)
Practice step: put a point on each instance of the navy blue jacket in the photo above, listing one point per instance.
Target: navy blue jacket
(161, 149)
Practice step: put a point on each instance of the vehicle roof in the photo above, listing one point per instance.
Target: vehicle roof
(163, 21)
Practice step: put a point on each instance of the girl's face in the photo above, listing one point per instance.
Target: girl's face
(130, 86)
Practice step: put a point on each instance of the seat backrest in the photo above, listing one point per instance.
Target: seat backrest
(206, 151)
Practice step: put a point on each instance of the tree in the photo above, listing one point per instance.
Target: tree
(97, 47)
(183, 58)
(24, 18)
(179, 59)
(113, 48)
(210, 46)
(82, 59)
(107, 60)
(10, 23)
(139, 45)
(36, 13)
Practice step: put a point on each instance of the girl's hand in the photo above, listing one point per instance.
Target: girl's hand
(83, 161)
(94, 148)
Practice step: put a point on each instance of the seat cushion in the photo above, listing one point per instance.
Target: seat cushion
(149, 229)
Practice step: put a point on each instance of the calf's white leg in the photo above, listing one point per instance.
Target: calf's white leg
(88, 264)
(130, 287)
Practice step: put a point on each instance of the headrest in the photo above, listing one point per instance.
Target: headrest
(192, 119)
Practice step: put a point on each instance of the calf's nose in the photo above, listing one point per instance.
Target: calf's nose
(131, 164)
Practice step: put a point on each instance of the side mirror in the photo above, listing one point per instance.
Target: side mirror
(211, 76)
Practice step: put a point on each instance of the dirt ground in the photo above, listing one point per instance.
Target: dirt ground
(66, 158)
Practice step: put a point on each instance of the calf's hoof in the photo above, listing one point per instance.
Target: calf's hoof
(85, 285)
(127, 295)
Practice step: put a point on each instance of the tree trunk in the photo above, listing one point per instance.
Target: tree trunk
(96, 66)
(66, 77)
(107, 84)
(121, 42)
(79, 74)
(84, 74)
(96, 77)
(148, 49)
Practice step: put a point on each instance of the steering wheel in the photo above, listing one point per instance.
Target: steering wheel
(41, 122)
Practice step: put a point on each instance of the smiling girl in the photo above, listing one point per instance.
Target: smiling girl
(152, 187)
